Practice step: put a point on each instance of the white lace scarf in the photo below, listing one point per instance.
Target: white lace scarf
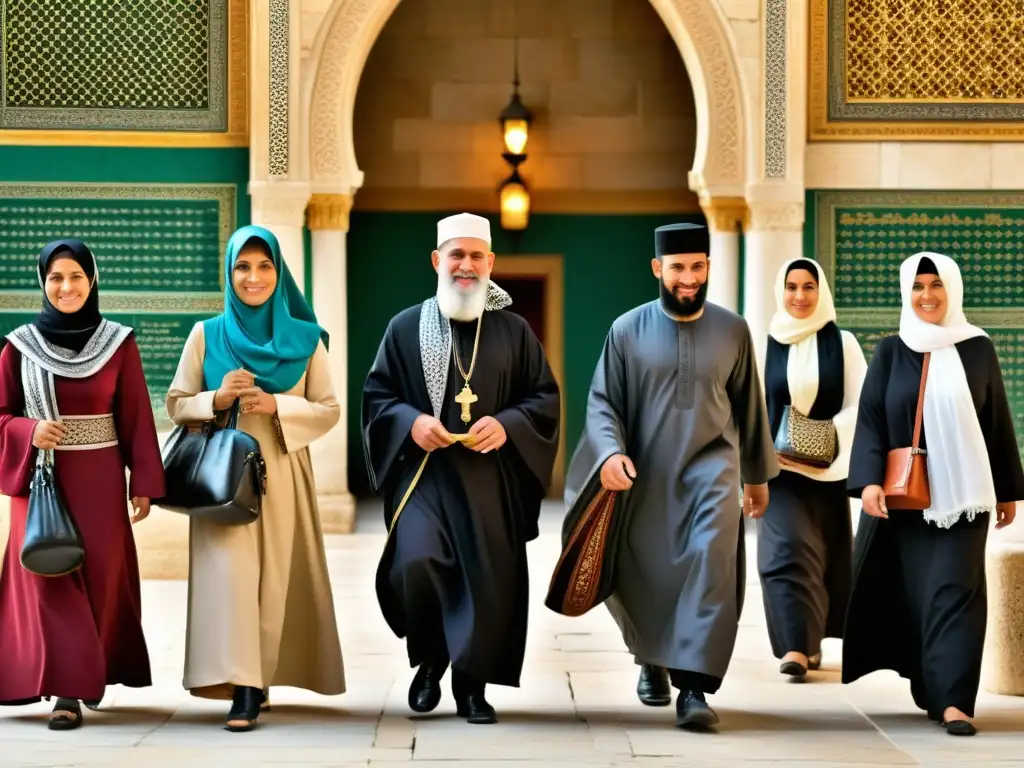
(436, 343)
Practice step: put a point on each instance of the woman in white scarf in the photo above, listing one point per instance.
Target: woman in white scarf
(919, 602)
(804, 541)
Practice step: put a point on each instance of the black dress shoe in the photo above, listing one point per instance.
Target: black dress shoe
(653, 688)
(425, 690)
(814, 662)
(245, 709)
(693, 711)
(959, 728)
(476, 710)
(793, 669)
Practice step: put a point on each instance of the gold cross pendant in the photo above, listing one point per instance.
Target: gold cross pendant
(465, 398)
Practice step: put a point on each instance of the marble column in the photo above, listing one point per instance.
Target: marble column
(280, 206)
(327, 218)
(773, 233)
(724, 215)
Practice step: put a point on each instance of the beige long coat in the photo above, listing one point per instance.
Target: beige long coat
(260, 608)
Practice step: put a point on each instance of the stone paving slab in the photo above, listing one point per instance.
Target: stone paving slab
(576, 706)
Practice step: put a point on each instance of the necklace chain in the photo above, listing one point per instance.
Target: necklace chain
(476, 345)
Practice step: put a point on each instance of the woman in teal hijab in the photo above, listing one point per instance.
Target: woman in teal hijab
(261, 611)
(272, 340)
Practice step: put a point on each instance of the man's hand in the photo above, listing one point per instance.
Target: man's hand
(47, 434)
(486, 435)
(429, 433)
(618, 473)
(257, 402)
(231, 388)
(755, 500)
(872, 499)
(141, 506)
(1006, 511)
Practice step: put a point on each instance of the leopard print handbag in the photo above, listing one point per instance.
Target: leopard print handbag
(813, 442)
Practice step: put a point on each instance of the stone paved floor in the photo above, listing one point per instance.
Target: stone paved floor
(576, 706)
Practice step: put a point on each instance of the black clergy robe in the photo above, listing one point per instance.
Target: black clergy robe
(919, 604)
(683, 400)
(453, 576)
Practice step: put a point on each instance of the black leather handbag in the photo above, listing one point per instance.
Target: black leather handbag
(52, 545)
(214, 473)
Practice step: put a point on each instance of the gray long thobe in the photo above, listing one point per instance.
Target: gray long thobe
(684, 401)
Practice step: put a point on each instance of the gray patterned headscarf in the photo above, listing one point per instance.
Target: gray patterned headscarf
(41, 361)
(436, 343)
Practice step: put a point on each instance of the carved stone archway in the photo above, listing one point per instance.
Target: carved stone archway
(351, 27)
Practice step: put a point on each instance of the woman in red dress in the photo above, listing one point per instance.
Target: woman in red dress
(71, 636)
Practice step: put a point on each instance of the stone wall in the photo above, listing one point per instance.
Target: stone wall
(611, 97)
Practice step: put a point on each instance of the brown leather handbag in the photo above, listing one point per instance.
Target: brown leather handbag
(906, 469)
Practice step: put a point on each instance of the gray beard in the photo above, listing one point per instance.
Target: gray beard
(458, 305)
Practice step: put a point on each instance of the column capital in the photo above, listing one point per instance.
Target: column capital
(774, 216)
(279, 203)
(328, 212)
(724, 214)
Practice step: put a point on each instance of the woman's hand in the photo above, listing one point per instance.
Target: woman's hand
(48, 434)
(231, 388)
(141, 506)
(258, 402)
(1006, 511)
(873, 500)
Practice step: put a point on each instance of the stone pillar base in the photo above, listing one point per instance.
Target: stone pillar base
(1003, 667)
(337, 512)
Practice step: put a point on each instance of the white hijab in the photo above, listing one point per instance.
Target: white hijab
(800, 335)
(959, 475)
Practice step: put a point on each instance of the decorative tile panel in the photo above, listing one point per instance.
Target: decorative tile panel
(149, 65)
(916, 69)
(775, 90)
(160, 254)
(860, 239)
(279, 90)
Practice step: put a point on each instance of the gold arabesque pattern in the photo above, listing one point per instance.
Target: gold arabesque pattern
(934, 50)
(107, 54)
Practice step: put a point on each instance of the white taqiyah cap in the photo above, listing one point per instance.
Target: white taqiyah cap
(463, 225)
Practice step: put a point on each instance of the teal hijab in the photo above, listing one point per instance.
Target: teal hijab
(273, 341)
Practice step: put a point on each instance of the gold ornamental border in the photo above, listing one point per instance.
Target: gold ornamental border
(236, 135)
(820, 127)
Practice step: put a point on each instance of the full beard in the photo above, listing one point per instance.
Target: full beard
(683, 307)
(459, 304)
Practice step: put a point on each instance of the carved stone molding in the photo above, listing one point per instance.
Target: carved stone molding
(328, 212)
(724, 214)
(351, 27)
(775, 84)
(279, 203)
(279, 90)
(774, 217)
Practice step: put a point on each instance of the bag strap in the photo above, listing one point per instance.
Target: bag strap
(920, 399)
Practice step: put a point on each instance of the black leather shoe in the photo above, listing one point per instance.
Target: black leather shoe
(693, 711)
(793, 668)
(814, 662)
(959, 728)
(476, 710)
(653, 688)
(245, 709)
(425, 689)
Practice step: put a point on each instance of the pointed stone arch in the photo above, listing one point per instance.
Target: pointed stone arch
(351, 27)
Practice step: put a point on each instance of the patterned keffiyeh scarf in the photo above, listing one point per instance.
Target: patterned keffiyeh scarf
(436, 343)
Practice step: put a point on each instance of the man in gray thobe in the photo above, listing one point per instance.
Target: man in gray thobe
(676, 418)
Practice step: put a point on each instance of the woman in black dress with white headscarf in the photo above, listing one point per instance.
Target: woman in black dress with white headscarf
(805, 539)
(919, 598)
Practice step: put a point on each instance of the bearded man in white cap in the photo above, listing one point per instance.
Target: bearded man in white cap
(460, 422)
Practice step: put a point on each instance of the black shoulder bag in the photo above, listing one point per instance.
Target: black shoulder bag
(214, 473)
(52, 545)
